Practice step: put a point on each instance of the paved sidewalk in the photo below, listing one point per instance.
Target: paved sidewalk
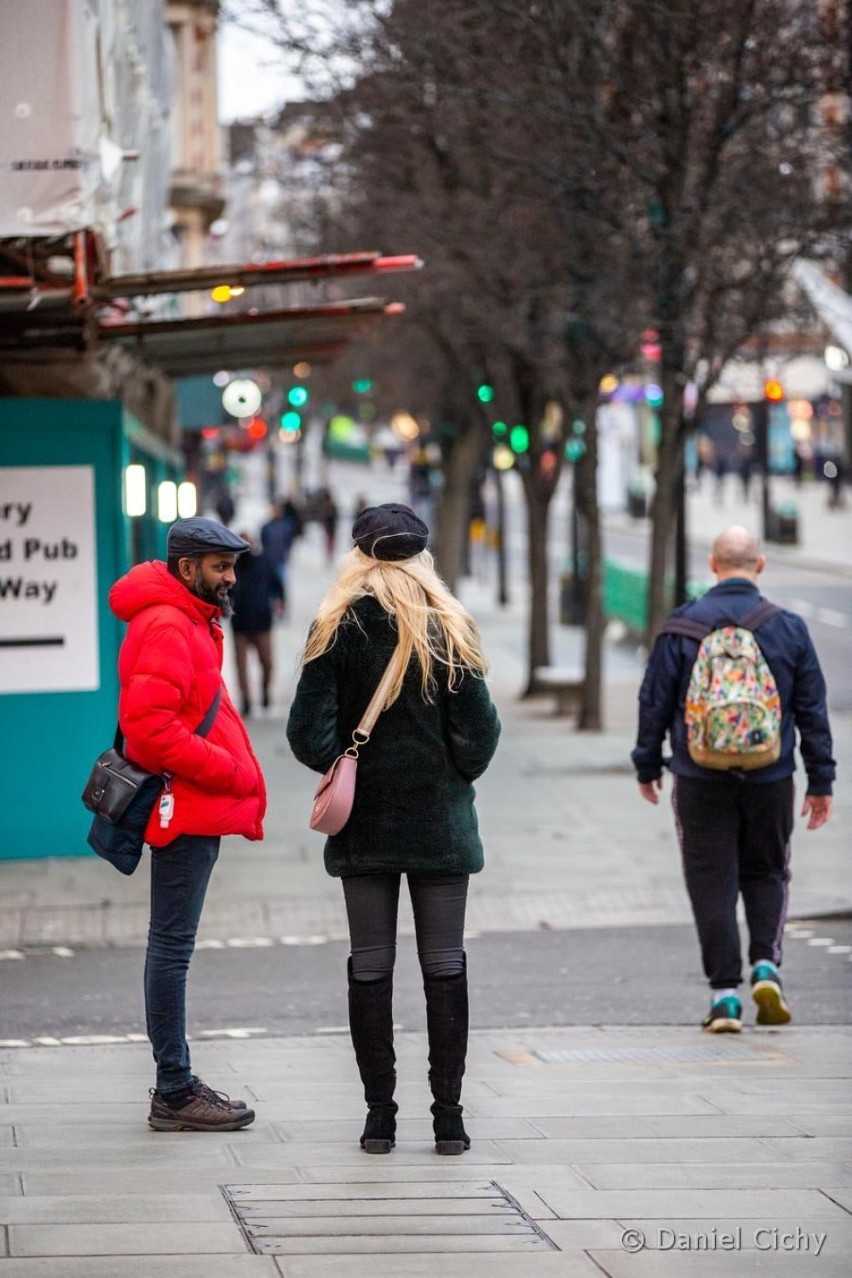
(706, 1156)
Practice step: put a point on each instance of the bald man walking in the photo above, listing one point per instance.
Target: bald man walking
(734, 823)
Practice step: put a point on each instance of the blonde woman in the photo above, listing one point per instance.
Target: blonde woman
(413, 812)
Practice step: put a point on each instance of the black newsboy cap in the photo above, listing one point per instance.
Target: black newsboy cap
(199, 536)
(389, 532)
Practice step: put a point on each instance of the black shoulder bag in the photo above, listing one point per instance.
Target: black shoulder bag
(121, 795)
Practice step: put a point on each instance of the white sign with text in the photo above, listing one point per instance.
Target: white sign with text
(48, 579)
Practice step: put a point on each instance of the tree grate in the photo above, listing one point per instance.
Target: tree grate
(306, 1220)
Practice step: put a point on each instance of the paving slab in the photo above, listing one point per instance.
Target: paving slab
(183, 1152)
(155, 1180)
(824, 1124)
(707, 1204)
(144, 1266)
(799, 1175)
(10, 1184)
(188, 1239)
(106, 1209)
(130, 1136)
(314, 1157)
(440, 1169)
(739, 1264)
(640, 1150)
(693, 1127)
(544, 1265)
(817, 1147)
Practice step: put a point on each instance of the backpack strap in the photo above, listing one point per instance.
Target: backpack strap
(759, 613)
(697, 630)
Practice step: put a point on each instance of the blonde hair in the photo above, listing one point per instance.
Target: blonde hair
(430, 621)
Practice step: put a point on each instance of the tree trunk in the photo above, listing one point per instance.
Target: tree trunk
(538, 509)
(591, 707)
(451, 522)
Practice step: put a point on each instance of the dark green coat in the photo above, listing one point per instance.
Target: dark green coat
(413, 810)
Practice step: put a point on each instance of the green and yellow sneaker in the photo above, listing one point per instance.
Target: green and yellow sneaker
(724, 1017)
(772, 1007)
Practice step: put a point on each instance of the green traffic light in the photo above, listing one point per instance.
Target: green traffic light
(291, 422)
(362, 386)
(499, 429)
(519, 439)
(485, 393)
(298, 396)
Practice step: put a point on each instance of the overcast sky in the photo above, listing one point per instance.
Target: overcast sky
(252, 80)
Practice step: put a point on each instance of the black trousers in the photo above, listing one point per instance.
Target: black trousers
(735, 840)
(438, 902)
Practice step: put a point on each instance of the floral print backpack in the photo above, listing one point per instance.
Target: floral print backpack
(733, 710)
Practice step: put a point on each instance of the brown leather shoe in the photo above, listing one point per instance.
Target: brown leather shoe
(205, 1111)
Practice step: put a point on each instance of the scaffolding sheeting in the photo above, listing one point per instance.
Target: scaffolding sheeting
(84, 99)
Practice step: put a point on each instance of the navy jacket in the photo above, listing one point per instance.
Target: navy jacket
(257, 586)
(789, 651)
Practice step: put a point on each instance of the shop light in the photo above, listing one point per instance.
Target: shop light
(135, 490)
(167, 501)
(187, 499)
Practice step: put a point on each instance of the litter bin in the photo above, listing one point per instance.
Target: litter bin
(572, 600)
(637, 503)
(784, 525)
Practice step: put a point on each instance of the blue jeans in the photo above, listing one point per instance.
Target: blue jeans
(180, 873)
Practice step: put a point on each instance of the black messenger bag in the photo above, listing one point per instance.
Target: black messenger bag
(121, 796)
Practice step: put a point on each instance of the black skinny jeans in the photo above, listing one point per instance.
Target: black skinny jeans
(372, 906)
(735, 840)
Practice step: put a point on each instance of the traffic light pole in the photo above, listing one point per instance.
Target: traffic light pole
(502, 569)
(760, 418)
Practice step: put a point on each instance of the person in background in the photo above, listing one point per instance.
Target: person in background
(278, 535)
(328, 517)
(413, 812)
(257, 598)
(170, 676)
(734, 826)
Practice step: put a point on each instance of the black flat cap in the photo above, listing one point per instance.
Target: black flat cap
(199, 536)
(389, 532)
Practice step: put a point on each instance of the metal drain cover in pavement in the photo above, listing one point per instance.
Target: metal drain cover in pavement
(718, 1052)
(307, 1220)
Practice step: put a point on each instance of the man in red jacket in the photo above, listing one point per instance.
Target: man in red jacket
(170, 671)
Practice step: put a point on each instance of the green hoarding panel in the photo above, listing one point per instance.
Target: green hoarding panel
(64, 539)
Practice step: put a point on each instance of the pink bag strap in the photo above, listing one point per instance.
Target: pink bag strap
(370, 717)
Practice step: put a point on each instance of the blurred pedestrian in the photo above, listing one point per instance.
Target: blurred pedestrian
(178, 720)
(257, 597)
(731, 680)
(746, 459)
(720, 468)
(413, 812)
(278, 535)
(328, 517)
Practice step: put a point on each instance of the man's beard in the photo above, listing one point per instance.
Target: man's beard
(212, 595)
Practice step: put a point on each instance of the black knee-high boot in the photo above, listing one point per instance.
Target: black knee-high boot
(447, 1024)
(371, 1027)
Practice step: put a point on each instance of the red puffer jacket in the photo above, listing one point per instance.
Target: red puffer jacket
(169, 667)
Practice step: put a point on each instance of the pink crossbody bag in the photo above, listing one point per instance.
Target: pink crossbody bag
(335, 793)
